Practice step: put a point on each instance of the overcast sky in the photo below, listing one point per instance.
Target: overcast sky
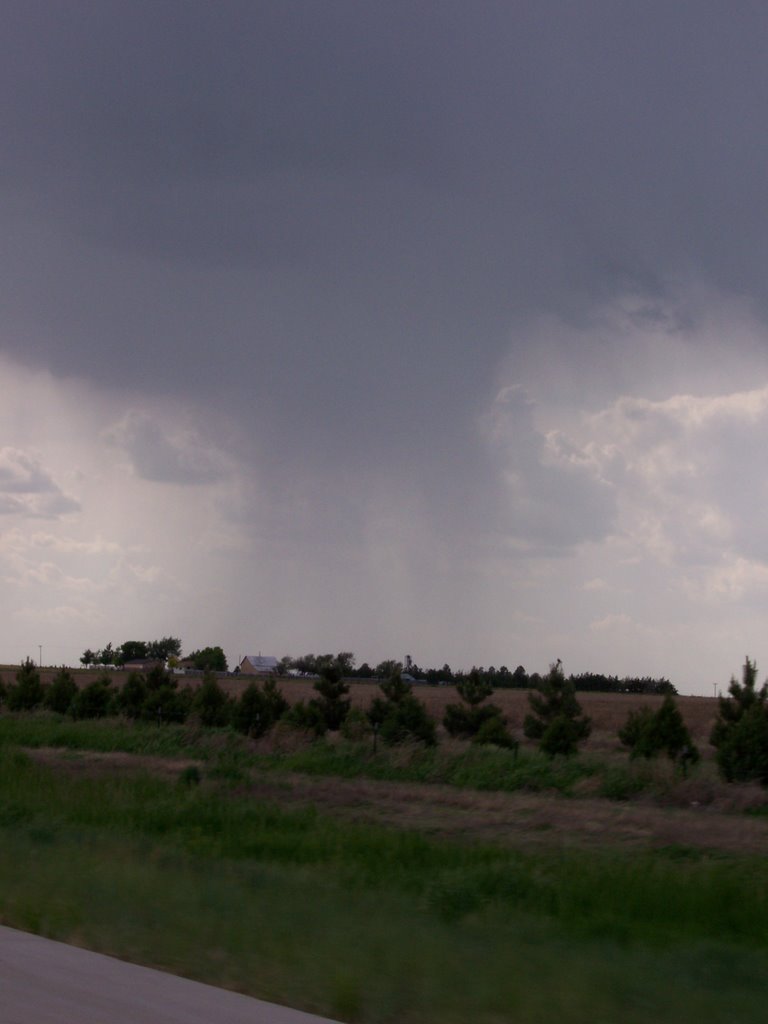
(432, 328)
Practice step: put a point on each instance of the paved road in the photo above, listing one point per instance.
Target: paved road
(45, 982)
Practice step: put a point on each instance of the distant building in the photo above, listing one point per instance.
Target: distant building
(143, 664)
(258, 665)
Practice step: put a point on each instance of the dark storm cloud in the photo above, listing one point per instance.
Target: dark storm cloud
(330, 216)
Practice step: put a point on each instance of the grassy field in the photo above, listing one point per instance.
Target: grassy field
(126, 853)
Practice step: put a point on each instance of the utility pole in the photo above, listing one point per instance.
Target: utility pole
(40, 660)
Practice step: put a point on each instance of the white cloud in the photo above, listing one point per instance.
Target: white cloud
(556, 497)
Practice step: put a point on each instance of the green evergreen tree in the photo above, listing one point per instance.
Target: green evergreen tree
(28, 691)
(94, 700)
(741, 730)
(332, 704)
(61, 692)
(130, 699)
(649, 733)
(211, 702)
(399, 716)
(556, 720)
(482, 723)
(259, 708)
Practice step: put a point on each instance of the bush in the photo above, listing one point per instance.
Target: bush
(356, 726)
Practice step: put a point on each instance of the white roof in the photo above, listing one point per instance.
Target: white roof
(260, 661)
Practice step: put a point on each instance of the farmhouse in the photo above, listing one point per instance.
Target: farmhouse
(258, 665)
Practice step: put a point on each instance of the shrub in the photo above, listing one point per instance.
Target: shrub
(356, 725)
(556, 720)
(190, 776)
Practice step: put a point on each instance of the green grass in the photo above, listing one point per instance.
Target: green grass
(45, 729)
(230, 756)
(366, 924)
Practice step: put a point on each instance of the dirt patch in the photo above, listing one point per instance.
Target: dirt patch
(93, 763)
(522, 820)
(517, 819)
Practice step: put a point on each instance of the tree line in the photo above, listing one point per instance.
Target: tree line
(555, 720)
(345, 663)
(498, 678)
(166, 650)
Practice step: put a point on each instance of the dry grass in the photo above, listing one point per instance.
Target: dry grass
(699, 813)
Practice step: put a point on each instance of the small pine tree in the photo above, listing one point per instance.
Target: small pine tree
(130, 699)
(94, 700)
(741, 730)
(28, 691)
(637, 733)
(743, 752)
(556, 720)
(332, 705)
(211, 702)
(400, 716)
(474, 688)
(258, 709)
(472, 719)
(61, 692)
(493, 732)
(647, 734)
(742, 697)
